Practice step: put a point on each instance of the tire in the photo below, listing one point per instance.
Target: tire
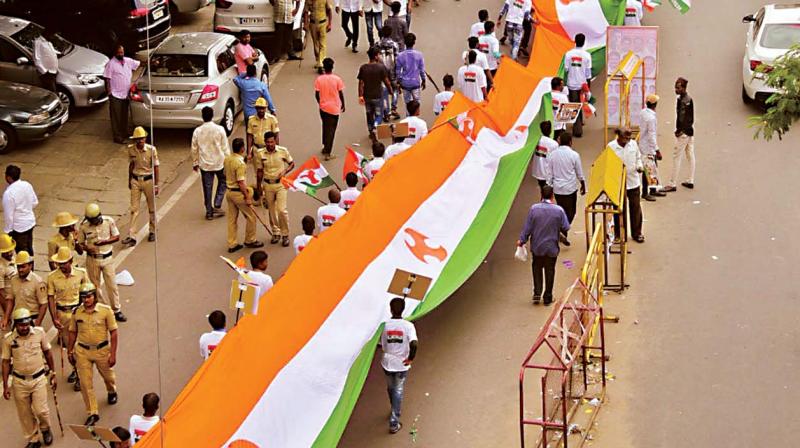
(746, 99)
(265, 73)
(8, 138)
(228, 118)
(65, 98)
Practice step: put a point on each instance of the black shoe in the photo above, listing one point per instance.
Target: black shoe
(536, 299)
(669, 189)
(217, 212)
(294, 57)
(77, 386)
(209, 216)
(395, 429)
(275, 239)
(649, 198)
(47, 436)
(355, 50)
(659, 194)
(234, 248)
(33, 445)
(548, 302)
(254, 244)
(120, 317)
(688, 185)
(348, 42)
(503, 40)
(129, 241)
(112, 398)
(285, 241)
(564, 240)
(639, 239)
(72, 377)
(151, 237)
(91, 420)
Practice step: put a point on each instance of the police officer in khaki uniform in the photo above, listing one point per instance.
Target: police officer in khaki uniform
(272, 164)
(63, 287)
(95, 236)
(26, 290)
(93, 342)
(28, 348)
(65, 222)
(317, 18)
(143, 179)
(7, 267)
(257, 125)
(239, 199)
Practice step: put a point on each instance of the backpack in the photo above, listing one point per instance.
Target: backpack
(388, 51)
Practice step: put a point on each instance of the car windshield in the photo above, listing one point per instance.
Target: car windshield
(189, 65)
(780, 36)
(27, 35)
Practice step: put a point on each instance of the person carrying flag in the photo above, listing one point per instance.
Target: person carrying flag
(375, 165)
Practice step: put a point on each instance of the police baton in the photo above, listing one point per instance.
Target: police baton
(258, 217)
(58, 411)
(433, 82)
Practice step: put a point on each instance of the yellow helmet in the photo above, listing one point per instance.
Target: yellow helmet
(261, 102)
(92, 210)
(21, 314)
(7, 244)
(86, 289)
(139, 132)
(63, 255)
(23, 257)
(64, 219)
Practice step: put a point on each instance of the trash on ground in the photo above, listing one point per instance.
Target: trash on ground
(124, 278)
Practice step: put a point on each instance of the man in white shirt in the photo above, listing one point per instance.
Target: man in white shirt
(19, 200)
(564, 173)
(45, 59)
(399, 346)
(633, 13)
(578, 64)
(627, 150)
(559, 98)
(375, 165)
(330, 212)
(545, 146)
(477, 30)
(350, 10)
(417, 128)
(209, 149)
(352, 193)
(490, 46)
(480, 59)
(373, 15)
(301, 241)
(648, 145)
(518, 11)
(259, 262)
(442, 99)
(140, 424)
(209, 341)
(397, 147)
(472, 80)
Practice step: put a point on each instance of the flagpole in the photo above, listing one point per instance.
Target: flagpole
(318, 199)
(335, 184)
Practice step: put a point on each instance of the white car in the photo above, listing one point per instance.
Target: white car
(255, 16)
(772, 30)
(185, 6)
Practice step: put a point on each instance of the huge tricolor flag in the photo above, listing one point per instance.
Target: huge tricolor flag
(290, 375)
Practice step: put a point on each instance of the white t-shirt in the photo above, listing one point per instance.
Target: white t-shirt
(349, 197)
(471, 80)
(208, 342)
(327, 215)
(396, 343)
(633, 13)
(301, 241)
(403, 8)
(578, 63)
(441, 100)
(373, 167)
(517, 10)
(477, 29)
(490, 46)
(543, 148)
(417, 128)
(480, 58)
(558, 99)
(139, 425)
(396, 149)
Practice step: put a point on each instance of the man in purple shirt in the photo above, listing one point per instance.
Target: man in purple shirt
(118, 73)
(410, 69)
(545, 222)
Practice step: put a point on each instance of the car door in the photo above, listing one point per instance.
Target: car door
(226, 69)
(16, 66)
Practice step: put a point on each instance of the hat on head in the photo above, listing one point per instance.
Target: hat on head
(92, 210)
(652, 98)
(64, 219)
(7, 244)
(139, 132)
(261, 102)
(23, 257)
(20, 315)
(86, 289)
(63, 255)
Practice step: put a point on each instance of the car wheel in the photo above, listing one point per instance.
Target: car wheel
(66, 100)
(8, 138)
(228, 118)
(265, 73)
(746, 99)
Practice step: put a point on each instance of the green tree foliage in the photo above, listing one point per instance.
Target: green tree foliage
(783, 108)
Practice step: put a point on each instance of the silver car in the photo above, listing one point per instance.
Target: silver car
(188, 72)
(79, 81)
(187, 5)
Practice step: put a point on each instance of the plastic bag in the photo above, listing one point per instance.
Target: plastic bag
(521, 254)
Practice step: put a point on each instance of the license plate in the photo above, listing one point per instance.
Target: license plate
(169, 99)
(251, 20)
(158, 13)
(65, 118)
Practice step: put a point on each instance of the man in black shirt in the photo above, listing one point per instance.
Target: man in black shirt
(372, 76)
(684, 136)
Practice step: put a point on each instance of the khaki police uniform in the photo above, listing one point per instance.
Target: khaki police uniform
(29, 385)
(101, 263)
(317, 11)
(57, 241)
(7, 270)
(274, 164)
(65, 290)
(29, 293)
(142, 183)
(93, 347)
(258, 126)
(235, 169)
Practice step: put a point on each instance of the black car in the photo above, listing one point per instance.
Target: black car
(28, 113)
(98, 24)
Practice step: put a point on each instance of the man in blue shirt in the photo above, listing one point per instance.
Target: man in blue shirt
(410, 69)
(545, 222)
(250, 89)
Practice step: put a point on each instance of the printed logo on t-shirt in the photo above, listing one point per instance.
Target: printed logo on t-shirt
(470, 76)
(577, 61)
(445, 103)
(556, 104)
(412, 132)
(300, 248)
(541, 151)
(138, 434)
(328, 220)
(210, 348)
(518, 3)
(348, 203)
(630, 12)
(484, 47)
(394, 336)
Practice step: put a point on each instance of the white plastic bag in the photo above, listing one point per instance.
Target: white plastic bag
(124, 278)
(521, 253)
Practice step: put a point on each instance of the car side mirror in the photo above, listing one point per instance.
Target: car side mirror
(748, 18)
(22, 60)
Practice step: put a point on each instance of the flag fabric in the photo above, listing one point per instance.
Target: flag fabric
(651, 5)
(310, 177)
(682, 5)
(354, 162)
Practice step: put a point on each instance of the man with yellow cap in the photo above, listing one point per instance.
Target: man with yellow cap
(93, 342)
(65, 223)
(648, 145)
(95, 237)
(7, 266)
(142, 179)
(28, 348)
(257, 125)
(26, 290)
(63, 285)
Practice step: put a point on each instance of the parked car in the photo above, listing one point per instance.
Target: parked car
(256, 16)
(99, 24)
(771, 31)
(79, 80)
(28, 113)
(184, 6)
(188, 72)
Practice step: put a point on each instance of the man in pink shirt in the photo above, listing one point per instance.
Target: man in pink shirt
(244, 53)
(118, 73)
(330, 96)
